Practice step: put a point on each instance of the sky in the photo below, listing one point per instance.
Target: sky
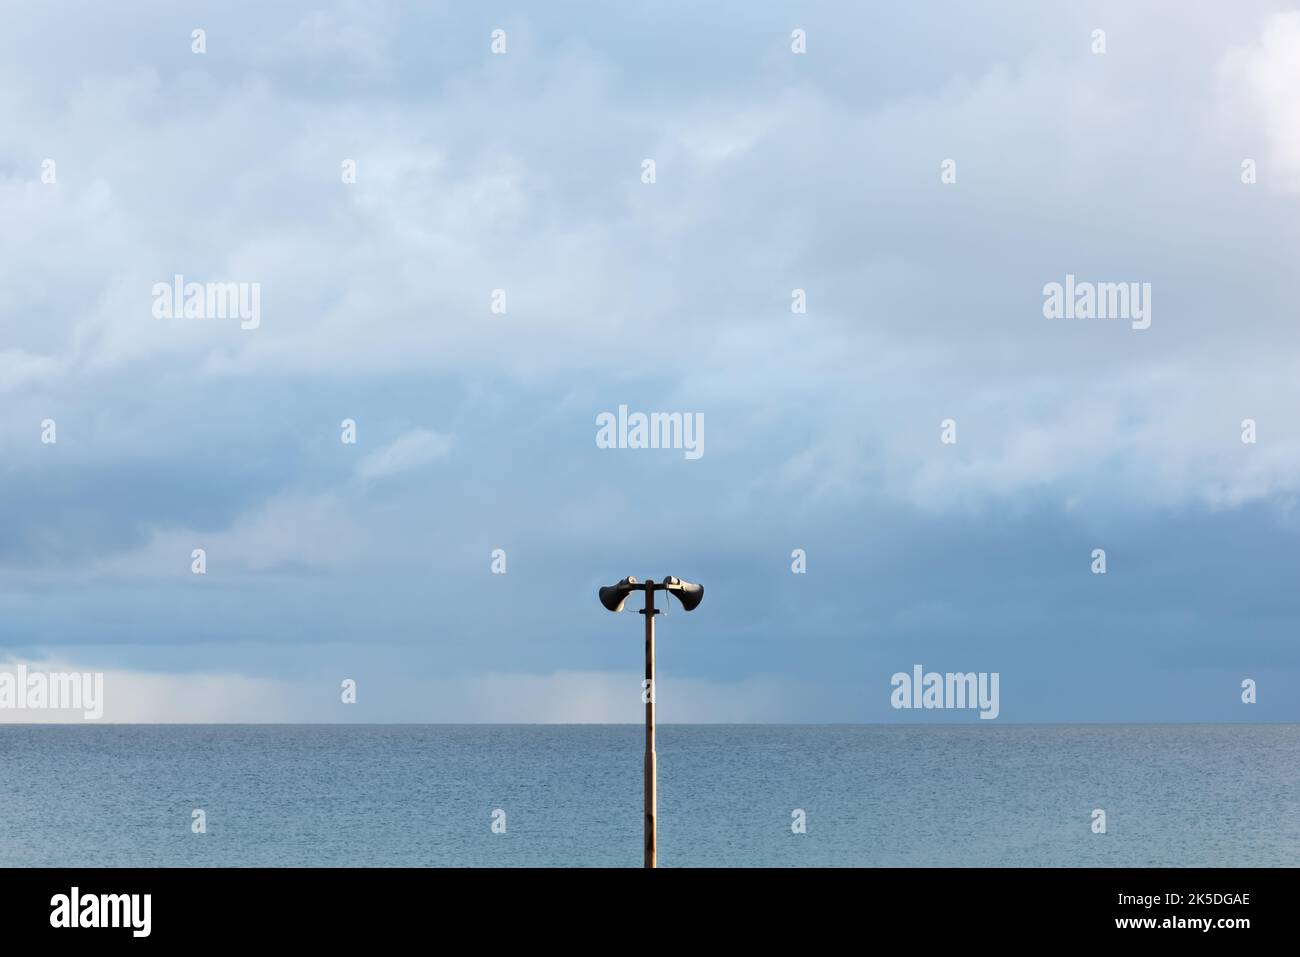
(524, 171)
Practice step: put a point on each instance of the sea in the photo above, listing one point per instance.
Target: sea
(570, 795)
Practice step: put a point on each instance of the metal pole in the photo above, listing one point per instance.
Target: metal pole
(651, 762)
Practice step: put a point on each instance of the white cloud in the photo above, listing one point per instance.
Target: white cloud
(923, 302)
(139, 697)
(561, 697)
(409, 451)
(315, 532)
(1269, 69)
(19, 369)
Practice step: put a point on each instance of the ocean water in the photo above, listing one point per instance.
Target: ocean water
(424, 795)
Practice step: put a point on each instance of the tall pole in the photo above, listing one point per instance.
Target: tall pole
(651, 762)
(690, 594)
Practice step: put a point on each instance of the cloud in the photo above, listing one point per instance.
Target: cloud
(285, 534)
(521, 172)
(562, 697)
(136, 697)
(1269, 70)
(19, 369)
(412, 450)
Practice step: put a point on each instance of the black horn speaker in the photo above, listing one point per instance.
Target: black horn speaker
(613, 596)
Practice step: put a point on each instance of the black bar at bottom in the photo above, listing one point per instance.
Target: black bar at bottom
(330, 906)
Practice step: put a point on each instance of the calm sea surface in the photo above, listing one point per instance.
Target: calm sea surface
(421, 795)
